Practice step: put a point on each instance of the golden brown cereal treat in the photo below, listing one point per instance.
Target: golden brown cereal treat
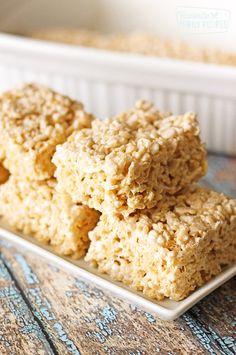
(4, 174)
(36, 209)
(171, 251)
(140, 43)
(132, 161)
(33, 120)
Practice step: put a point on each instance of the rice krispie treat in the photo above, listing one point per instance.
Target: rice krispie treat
(170, 251)
(131, 161)
(36, 209)
(33, 120)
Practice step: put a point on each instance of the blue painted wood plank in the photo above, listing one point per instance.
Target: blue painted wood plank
(221, 174)
(78, 314)
(42, 307)
(212, 320)
(24, 334)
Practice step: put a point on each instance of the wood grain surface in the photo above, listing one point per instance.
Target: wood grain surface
(45, 310)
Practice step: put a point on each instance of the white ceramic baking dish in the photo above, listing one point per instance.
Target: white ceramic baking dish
(109, 82)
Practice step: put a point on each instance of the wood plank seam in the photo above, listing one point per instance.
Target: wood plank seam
(51, 346)
(56, 329)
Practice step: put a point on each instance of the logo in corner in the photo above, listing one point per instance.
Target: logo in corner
(202, 19)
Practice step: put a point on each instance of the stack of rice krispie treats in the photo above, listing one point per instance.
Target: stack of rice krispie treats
(158, 232)
(33, 120)
(120, 190)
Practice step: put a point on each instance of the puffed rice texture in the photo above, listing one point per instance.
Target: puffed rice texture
(131, 161)
(33, 120)
(169, 251)
(35, 208)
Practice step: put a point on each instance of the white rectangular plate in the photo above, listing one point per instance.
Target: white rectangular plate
(166, 309)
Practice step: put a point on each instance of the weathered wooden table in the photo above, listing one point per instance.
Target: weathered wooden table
(44, 310)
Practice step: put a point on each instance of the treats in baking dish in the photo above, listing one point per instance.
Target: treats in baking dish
(33, 120)
(170, 250)
(131, 161)
(139, 43)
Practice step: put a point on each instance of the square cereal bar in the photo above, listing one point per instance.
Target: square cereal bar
(170, 251)
(35, 208)
(131, 161)
(33, 120)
